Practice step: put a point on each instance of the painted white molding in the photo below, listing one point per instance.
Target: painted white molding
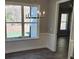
(61, 1)
(13, 46)
(71, 41)
(51, 42)
(71, 49)
(56, 15)
(46, 40)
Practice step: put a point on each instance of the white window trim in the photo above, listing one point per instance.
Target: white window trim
(38, 25)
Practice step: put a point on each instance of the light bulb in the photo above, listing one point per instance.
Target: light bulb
(44, 12)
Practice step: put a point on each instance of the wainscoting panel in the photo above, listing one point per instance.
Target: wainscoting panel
(45, 40)
(51, 42)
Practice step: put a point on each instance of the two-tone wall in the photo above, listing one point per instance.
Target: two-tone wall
(48, 24)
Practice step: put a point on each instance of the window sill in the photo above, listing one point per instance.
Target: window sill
(20, 39)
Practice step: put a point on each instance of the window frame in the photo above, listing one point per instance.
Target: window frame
(22, 22)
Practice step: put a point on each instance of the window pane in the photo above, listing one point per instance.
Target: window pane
(64, 17)
(27, 20)
(13, 13)
(34, 20)
(34, 11)
(13, 30)
(27, 30)
(26, 13)
(30, 30)
(63, 26)
(34, 30)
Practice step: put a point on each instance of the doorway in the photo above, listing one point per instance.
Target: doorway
(63, 29)
(64, 19)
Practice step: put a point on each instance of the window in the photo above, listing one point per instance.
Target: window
(21, 21)
(64, 18)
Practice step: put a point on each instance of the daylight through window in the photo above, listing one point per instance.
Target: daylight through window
(21, 21)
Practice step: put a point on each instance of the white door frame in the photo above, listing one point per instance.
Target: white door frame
(56, 17)
(71, 41)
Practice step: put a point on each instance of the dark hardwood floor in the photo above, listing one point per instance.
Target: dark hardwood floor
(43, 53)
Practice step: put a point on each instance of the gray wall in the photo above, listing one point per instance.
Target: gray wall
(43, 6)
(47, 28)
(36, 43)
(52, 12)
